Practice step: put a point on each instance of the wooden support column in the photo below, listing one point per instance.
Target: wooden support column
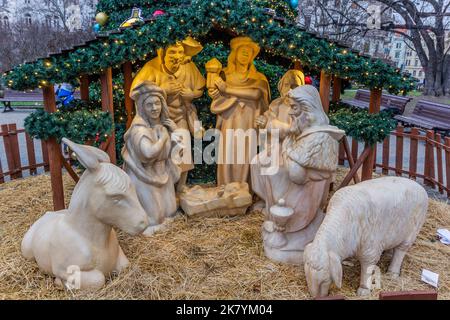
(374, 107)
(84, 87)
(127, 80)
(54, 154)
(107, 105)
(337, 86)
(325, 83)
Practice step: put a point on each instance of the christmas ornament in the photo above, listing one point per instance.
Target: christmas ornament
(293, 3)
(158, 13)
(96, 28)
(135, 18)
(101, 18)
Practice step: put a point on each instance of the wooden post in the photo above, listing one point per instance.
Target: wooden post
(429, 159)
(374, 107)
(399, 151)
(413, 150)
(447, 164)
(127, 80)
(54, 154)
(325, 83)
(84, 87)
(337, 86)
(107, 105)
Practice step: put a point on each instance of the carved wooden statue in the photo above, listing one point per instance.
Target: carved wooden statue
(147, 154)
(78, 245)
(238, 100)
(295, 194)
(362, 221)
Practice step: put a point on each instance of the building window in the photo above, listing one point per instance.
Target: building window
(28, 19)
(414, 73)
(55, 21)
(27, 1)
(48, 21)
(397, 55)
(420, 73)
(416, 63)
(399, 45)
(5, 3)
(5, 22)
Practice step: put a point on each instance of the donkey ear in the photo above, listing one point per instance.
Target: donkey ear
(335, 268)
(89, 157)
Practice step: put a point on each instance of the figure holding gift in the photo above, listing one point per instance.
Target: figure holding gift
(238, 100)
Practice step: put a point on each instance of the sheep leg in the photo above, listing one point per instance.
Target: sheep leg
(367, 270)
(396, 262)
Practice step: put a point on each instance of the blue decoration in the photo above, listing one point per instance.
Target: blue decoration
(64, 94)
(96, 28)
(293, 3)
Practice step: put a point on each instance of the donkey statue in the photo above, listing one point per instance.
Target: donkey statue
(78, 245)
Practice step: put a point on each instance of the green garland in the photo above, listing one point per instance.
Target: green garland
(77, 125)
(363, 126)
(244, 17)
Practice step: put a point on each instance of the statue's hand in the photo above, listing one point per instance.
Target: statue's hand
(214, 93)
(261, 121)
(187, 94)
(220, 84)
(170, 124)
(174, 87)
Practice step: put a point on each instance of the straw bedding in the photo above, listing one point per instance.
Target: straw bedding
(197, 258)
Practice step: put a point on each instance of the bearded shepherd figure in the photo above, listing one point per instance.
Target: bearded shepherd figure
(296, 193)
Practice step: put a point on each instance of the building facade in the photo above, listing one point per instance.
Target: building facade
(69, 14)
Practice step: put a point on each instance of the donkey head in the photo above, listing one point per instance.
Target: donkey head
(106, 191)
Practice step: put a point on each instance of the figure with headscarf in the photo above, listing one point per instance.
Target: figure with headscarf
(174, 71)
(147, 154)
(296, 193)
(239, 96)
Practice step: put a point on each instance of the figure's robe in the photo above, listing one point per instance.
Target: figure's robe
(315, 151)
(237, 113)
(153, 177)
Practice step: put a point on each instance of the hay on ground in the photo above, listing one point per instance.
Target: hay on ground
(197, 258)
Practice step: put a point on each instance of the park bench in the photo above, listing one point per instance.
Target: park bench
(18, 96)
(388, 101)
(428, 115)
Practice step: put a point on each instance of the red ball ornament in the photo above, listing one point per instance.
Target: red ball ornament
(159, 13)
(308, 80)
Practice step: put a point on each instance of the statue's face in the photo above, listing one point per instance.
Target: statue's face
(153, 107)
(296, 108)
(174, 57)
(244, 55)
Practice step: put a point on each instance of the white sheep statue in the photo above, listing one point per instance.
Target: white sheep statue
(362, 221)
(78, 245)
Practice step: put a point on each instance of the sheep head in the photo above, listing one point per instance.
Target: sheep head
(322, 267)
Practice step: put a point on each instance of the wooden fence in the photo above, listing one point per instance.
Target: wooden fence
(414, 153)
(14, 158)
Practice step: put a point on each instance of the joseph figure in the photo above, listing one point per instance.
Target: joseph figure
(174, 71)
(239, 96)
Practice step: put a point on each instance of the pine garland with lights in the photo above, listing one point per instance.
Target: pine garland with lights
(362, 125)
(79, 125)
(279, 39)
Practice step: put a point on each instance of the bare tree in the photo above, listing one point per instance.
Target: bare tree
(423, 24)
(21, 42)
